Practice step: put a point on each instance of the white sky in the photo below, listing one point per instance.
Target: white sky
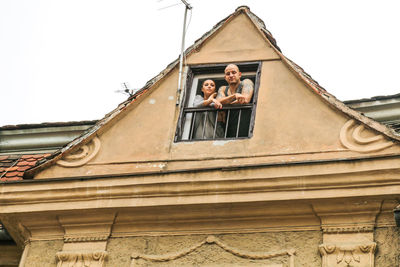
(62, 60)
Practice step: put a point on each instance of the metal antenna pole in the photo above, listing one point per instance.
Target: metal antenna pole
(187, 7)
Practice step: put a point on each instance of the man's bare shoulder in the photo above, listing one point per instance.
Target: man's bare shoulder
(248, 82)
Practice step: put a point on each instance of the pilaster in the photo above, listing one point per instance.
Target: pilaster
(85, 239)
(348, 232)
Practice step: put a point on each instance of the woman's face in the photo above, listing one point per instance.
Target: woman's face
(208, 87)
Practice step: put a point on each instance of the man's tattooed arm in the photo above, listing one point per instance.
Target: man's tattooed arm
(248, 89)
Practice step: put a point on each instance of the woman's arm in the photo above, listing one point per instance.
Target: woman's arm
(211, 101)
(198, 101)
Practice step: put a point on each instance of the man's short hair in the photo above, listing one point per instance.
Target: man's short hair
(232, 65)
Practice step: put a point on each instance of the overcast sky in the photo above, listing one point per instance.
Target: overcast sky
(63, 60)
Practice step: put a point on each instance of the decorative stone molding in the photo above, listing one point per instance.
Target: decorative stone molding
(348, 254)
(81, 259)
(213, 240)
(81, 156)
(87, 231)
(347, 229)
(74, 239)
(351, 137)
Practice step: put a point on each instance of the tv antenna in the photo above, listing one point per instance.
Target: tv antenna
(126, 89)
(178, 94)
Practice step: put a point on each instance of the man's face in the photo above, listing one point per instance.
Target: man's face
(232, 74)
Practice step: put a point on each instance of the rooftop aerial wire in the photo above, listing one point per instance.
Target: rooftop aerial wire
(182, 55)
(168, 6)
(125, 86)
(126, 89)
(178, 94)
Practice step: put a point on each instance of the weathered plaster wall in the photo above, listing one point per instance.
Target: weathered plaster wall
(388, 244)
(238, 40)
(305, 244)
(43, 253)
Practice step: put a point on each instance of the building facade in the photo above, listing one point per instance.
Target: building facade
(313, 182)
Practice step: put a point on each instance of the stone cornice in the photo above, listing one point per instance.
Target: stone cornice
(258, 184)
(86, 228)
(198, 164)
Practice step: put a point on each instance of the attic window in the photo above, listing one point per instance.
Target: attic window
(233, 121)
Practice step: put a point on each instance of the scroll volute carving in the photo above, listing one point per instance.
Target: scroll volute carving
(81, 259)
(83, 155)
(353, 137)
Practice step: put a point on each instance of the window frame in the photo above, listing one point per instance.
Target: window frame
(213, 69)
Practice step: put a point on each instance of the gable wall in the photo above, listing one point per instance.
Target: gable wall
(290, 117)
(239, 40)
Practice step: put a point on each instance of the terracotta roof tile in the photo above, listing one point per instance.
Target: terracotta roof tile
(5, 179)
(15, 178)
(23, 163)
(13, 167)
(11, 174)
(3, 164)
(22, 169)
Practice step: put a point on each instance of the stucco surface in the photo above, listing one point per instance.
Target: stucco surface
(388, 244)
(305, 244)
(238, 40)
(43, 253)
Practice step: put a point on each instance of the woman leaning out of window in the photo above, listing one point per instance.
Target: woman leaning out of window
(204, 125)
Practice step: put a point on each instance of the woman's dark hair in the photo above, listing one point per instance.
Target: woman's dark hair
(202, 84)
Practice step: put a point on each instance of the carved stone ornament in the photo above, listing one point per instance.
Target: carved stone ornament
(352, 138)
(213, 240)
(82, 155)
(348, 229)
(81, 259)
(76, 239)
(348, 254)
